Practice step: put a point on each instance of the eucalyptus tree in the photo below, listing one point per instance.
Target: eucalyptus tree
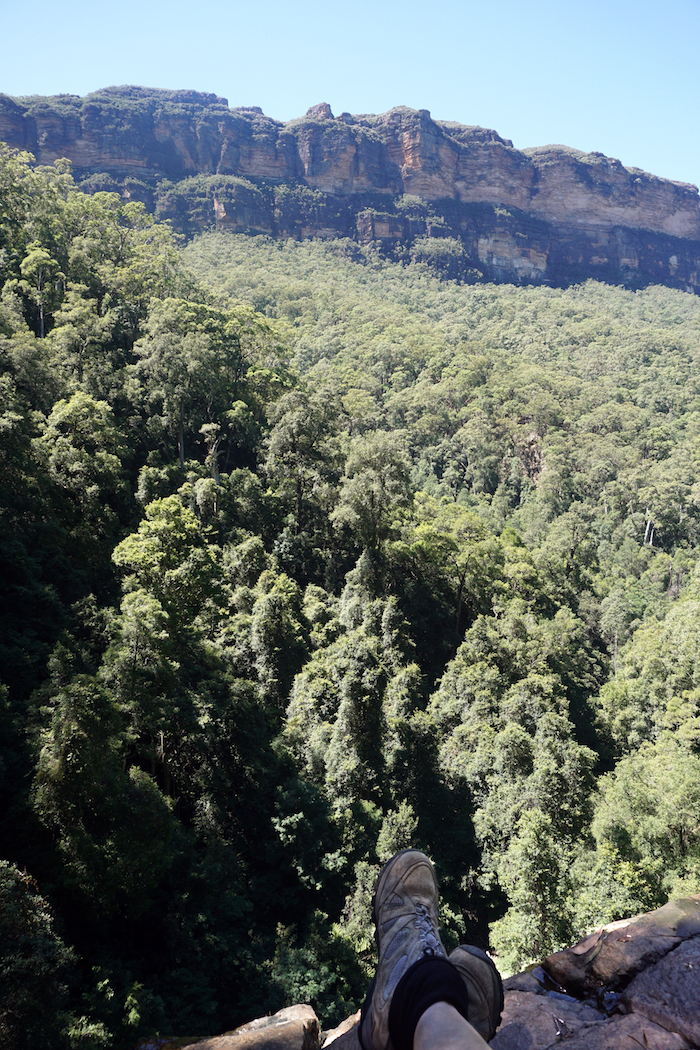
(197, 363)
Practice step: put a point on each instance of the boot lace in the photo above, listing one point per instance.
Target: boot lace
(427, 931)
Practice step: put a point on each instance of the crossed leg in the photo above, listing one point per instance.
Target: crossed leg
(442, 1027)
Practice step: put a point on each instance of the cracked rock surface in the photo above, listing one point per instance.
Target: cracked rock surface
(633, 983)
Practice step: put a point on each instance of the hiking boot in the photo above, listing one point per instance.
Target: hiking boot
(404, 909)
(484, 988)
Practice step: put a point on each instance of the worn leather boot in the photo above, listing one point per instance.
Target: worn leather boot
(484, 988)
(405, 914)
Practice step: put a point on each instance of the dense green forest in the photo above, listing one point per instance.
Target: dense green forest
(309, 556)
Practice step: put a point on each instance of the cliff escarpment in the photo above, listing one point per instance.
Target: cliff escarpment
(461, 198)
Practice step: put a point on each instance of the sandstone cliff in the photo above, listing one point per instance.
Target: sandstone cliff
(551, 214)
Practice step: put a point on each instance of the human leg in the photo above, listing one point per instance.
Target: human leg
(441, 1027)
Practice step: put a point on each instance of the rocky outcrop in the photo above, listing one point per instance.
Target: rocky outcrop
(632, 983)
(642, 976)
(609, 958)
(294, 1028)
(546, 215)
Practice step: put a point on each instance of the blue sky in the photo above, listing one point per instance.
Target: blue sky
(621, 76)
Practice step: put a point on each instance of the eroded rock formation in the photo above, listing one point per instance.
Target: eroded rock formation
(550, 214)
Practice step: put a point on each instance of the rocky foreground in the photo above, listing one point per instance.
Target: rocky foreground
(633, 983)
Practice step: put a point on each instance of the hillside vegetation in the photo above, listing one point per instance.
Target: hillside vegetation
(308, 556)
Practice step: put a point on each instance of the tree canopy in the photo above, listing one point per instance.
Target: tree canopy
(310, 556)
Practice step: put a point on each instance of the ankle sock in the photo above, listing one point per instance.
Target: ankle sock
(427, 982)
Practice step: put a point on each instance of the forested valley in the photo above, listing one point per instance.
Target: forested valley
(309, 556)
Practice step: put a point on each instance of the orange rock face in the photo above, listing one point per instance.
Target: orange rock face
(551, 214)
(403, 150)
